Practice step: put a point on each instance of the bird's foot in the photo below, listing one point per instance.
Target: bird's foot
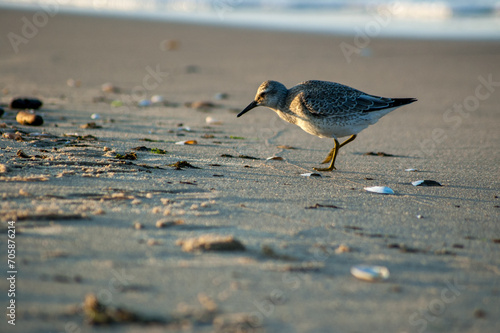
(331, 168)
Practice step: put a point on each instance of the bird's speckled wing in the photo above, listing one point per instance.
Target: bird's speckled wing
(329, 99)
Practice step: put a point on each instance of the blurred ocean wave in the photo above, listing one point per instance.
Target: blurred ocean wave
(445, 19)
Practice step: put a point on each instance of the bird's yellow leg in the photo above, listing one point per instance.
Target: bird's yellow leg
(333, 154)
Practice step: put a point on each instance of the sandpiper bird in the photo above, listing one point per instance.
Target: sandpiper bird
(325, 109)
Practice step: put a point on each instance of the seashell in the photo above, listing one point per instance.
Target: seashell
(187, 142)
(370, 273)
(380, 189)
(157, 99)
(144, 102)
(221, 96)
(426, 182)
(275, 158)
(311, 174)
(212, 121)
(411, 170)
(95, 116)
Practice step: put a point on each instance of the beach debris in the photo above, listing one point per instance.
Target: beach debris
(140, 148)
(179, 165)
(246, 157)
(158, 151)
(379, 189)
(97, 313)
(285, 147)
(370, 273)
(274, 158)
(1, 112)
(426, 182)
(411, 170)
(212, 121)
(116, 103)
(90, 125)
(166, 224)
(310, 174)
(479, 313)
(236, 137)
(128, 156)
(211, 242)
(3, 168)
(144, 103)
(138, 226)
(221, 96)
(200, 105)
(419, 216)
(169, 44)
(321, 206)
(342, 248)
(190, 69)
(13, 136)
(22, 154)
(95, 116)
(269, 252)
(73, 83)
(380, 153)
(108, 87)
(233, 322)
(187, 142)
(183, 128)
(26, 103)
(157, 99)
(29, 118)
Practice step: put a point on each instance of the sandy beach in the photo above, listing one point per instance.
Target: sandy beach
(102, 211)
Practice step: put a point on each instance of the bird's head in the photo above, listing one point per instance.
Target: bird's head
(270, 94)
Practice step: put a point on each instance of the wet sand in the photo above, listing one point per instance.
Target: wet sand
(87, 220)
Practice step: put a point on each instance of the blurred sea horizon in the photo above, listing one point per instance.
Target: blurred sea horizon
(420, 19)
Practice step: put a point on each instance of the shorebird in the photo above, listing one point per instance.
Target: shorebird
(325, 109)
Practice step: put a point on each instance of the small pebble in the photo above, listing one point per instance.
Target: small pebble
(221, 96)
(138, 225)
(95, 116)
(109, 88)
(25, 103)
(29, 118)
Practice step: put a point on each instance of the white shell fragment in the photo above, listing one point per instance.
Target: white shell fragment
(275, 158)
(380, 189)
(311, 174)
(212, 121)
(426, 183)
(187, 142)
(157, 99)
(411, 170)
(370, 273)
(95, 116)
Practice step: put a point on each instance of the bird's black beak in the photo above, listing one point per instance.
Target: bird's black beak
(250, 106)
